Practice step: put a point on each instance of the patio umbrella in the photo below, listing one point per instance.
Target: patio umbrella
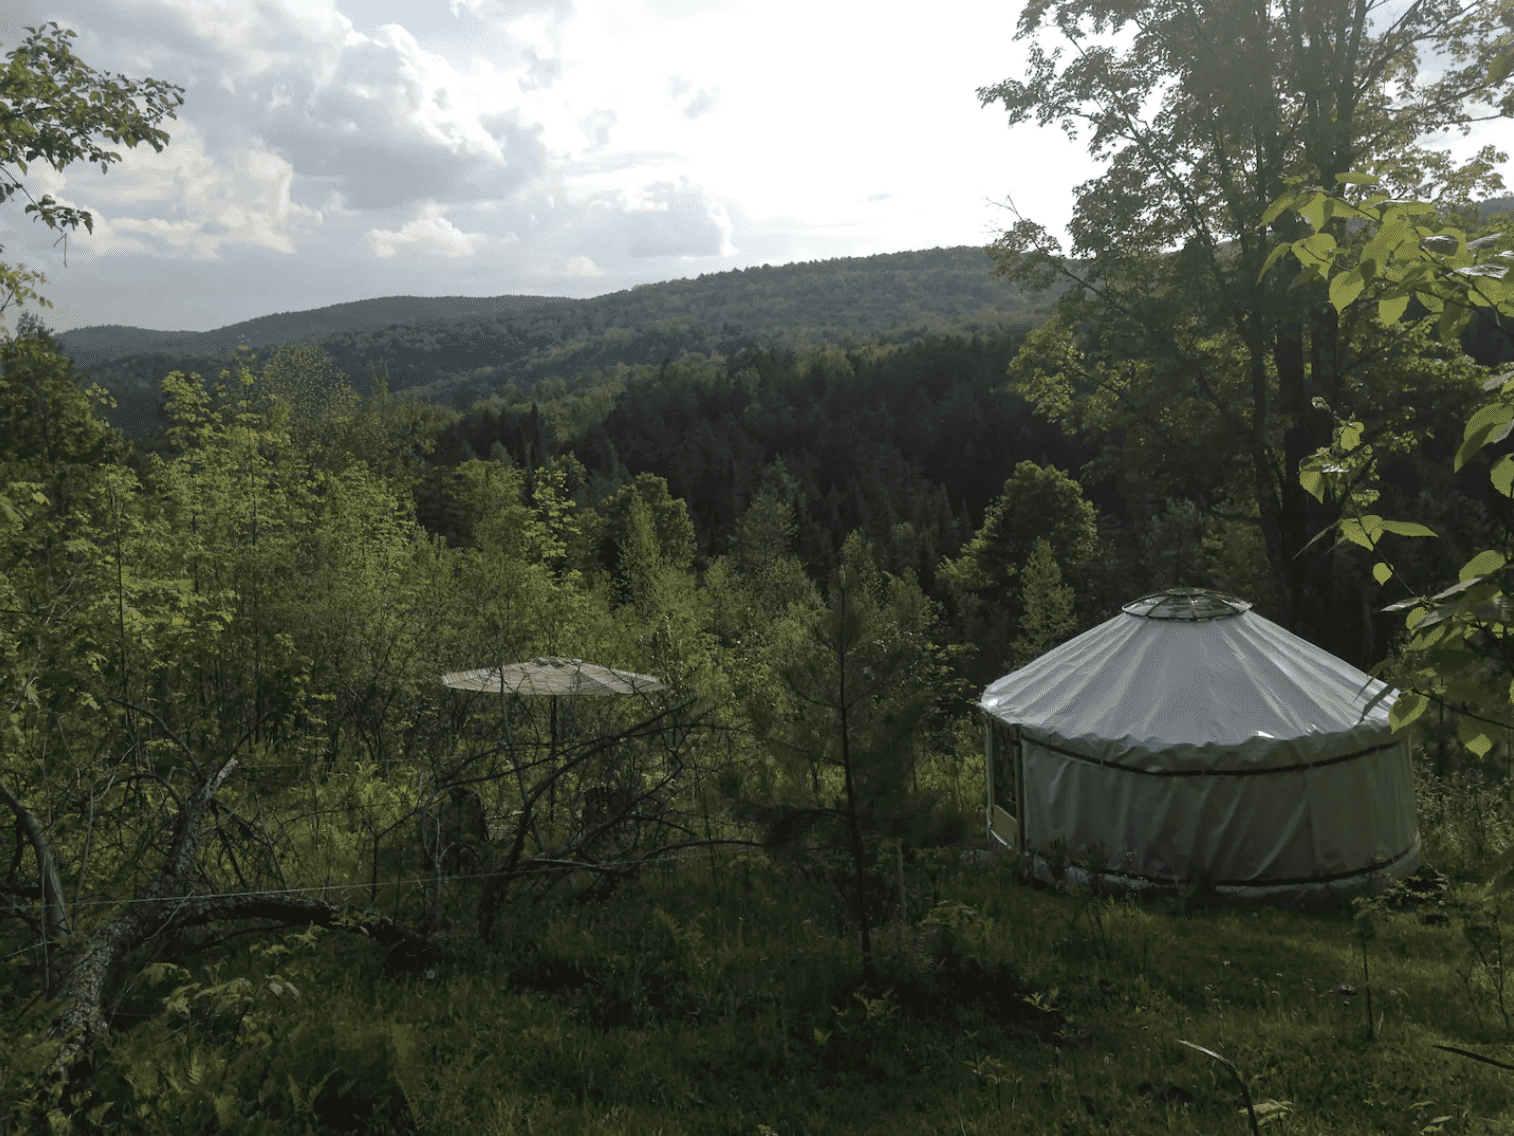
(551, 677)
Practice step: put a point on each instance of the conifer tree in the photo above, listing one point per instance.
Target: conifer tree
(855, 682)
(1047, 618)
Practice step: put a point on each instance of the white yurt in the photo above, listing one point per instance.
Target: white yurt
(1196, 742)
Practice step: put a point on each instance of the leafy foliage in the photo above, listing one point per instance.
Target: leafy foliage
(1180, 340)
(1454, 651)
(52, 106)
(991, 598)
(853, 685)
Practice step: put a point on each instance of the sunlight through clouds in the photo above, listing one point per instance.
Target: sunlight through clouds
(517, 146)
(330, 150)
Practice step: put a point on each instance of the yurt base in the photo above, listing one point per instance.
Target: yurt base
(1323, 891)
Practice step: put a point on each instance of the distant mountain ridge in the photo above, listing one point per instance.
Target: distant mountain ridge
(99, 343)
(459, 350)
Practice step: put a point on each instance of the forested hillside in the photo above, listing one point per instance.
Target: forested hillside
(100, 344)
(509, 345)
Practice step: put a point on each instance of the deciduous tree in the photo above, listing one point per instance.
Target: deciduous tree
(1201, 112)
(984, 583)
(1458, 645)
(54, 106)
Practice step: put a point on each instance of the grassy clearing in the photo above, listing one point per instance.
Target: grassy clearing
(725, 999)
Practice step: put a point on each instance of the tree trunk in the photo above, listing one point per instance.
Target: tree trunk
(854, 825)
(54, 912)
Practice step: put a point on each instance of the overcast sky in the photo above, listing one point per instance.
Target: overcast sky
(335, 150)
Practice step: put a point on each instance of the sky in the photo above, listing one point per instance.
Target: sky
(337, 150)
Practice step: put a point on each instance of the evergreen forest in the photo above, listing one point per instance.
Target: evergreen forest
(282, 862)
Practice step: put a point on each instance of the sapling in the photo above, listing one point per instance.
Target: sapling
(1364, 910)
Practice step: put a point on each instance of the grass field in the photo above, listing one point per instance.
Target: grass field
(724, 997)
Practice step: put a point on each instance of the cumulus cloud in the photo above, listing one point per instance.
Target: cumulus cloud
(678, 220)
(379, 119)
(597, 125)
(431, 231)
(200, 204)
(494, 145)
(693, 103)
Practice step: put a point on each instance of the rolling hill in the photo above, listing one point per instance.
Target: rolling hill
(458, 350)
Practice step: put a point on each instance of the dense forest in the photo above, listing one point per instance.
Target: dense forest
(509, 345)
(707, 853)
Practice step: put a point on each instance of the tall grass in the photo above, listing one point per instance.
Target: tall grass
(725, 998)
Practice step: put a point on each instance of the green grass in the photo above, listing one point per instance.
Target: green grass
(727, 1000)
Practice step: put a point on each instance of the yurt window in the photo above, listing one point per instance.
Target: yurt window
(1004, 777)
(1005, 746)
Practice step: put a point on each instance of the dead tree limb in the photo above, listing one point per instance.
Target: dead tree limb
(54, 910)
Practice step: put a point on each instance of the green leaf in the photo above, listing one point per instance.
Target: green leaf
(1483, 564)
(1276, 210)
(1407, 528)
(1453, 321)
(1272, 258)
(1391, 236)
(1495, 413)
(1474, 735)
(1481, 428)
(1381, 572)
(1313, 482)
(1391, 310)
(1316, 251)
(1345, 287)
(1502, 68)
(1357, 179)
(1406, 709)
(1312, 209)
(1363, 532)
(1502, 475)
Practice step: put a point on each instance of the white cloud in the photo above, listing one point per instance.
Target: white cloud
(404, 145)
(582, 266)
(597, 125)
(334, 149)
(698, 103)
(424, 93)
(201, 205)
(679, 220)
(431, 231)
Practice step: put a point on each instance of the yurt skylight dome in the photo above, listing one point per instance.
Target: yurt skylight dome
(1186, 603)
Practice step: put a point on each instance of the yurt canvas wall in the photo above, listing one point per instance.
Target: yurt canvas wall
(1196, 742)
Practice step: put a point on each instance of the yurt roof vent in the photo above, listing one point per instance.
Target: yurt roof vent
(1192, 604)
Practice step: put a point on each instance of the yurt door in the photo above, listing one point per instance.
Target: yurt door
(1005, 781)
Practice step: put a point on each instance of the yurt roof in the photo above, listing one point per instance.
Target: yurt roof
(1187, 677)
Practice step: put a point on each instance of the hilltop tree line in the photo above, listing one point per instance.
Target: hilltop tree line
(511, 347)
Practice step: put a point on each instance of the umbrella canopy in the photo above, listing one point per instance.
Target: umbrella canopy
(553, 676)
